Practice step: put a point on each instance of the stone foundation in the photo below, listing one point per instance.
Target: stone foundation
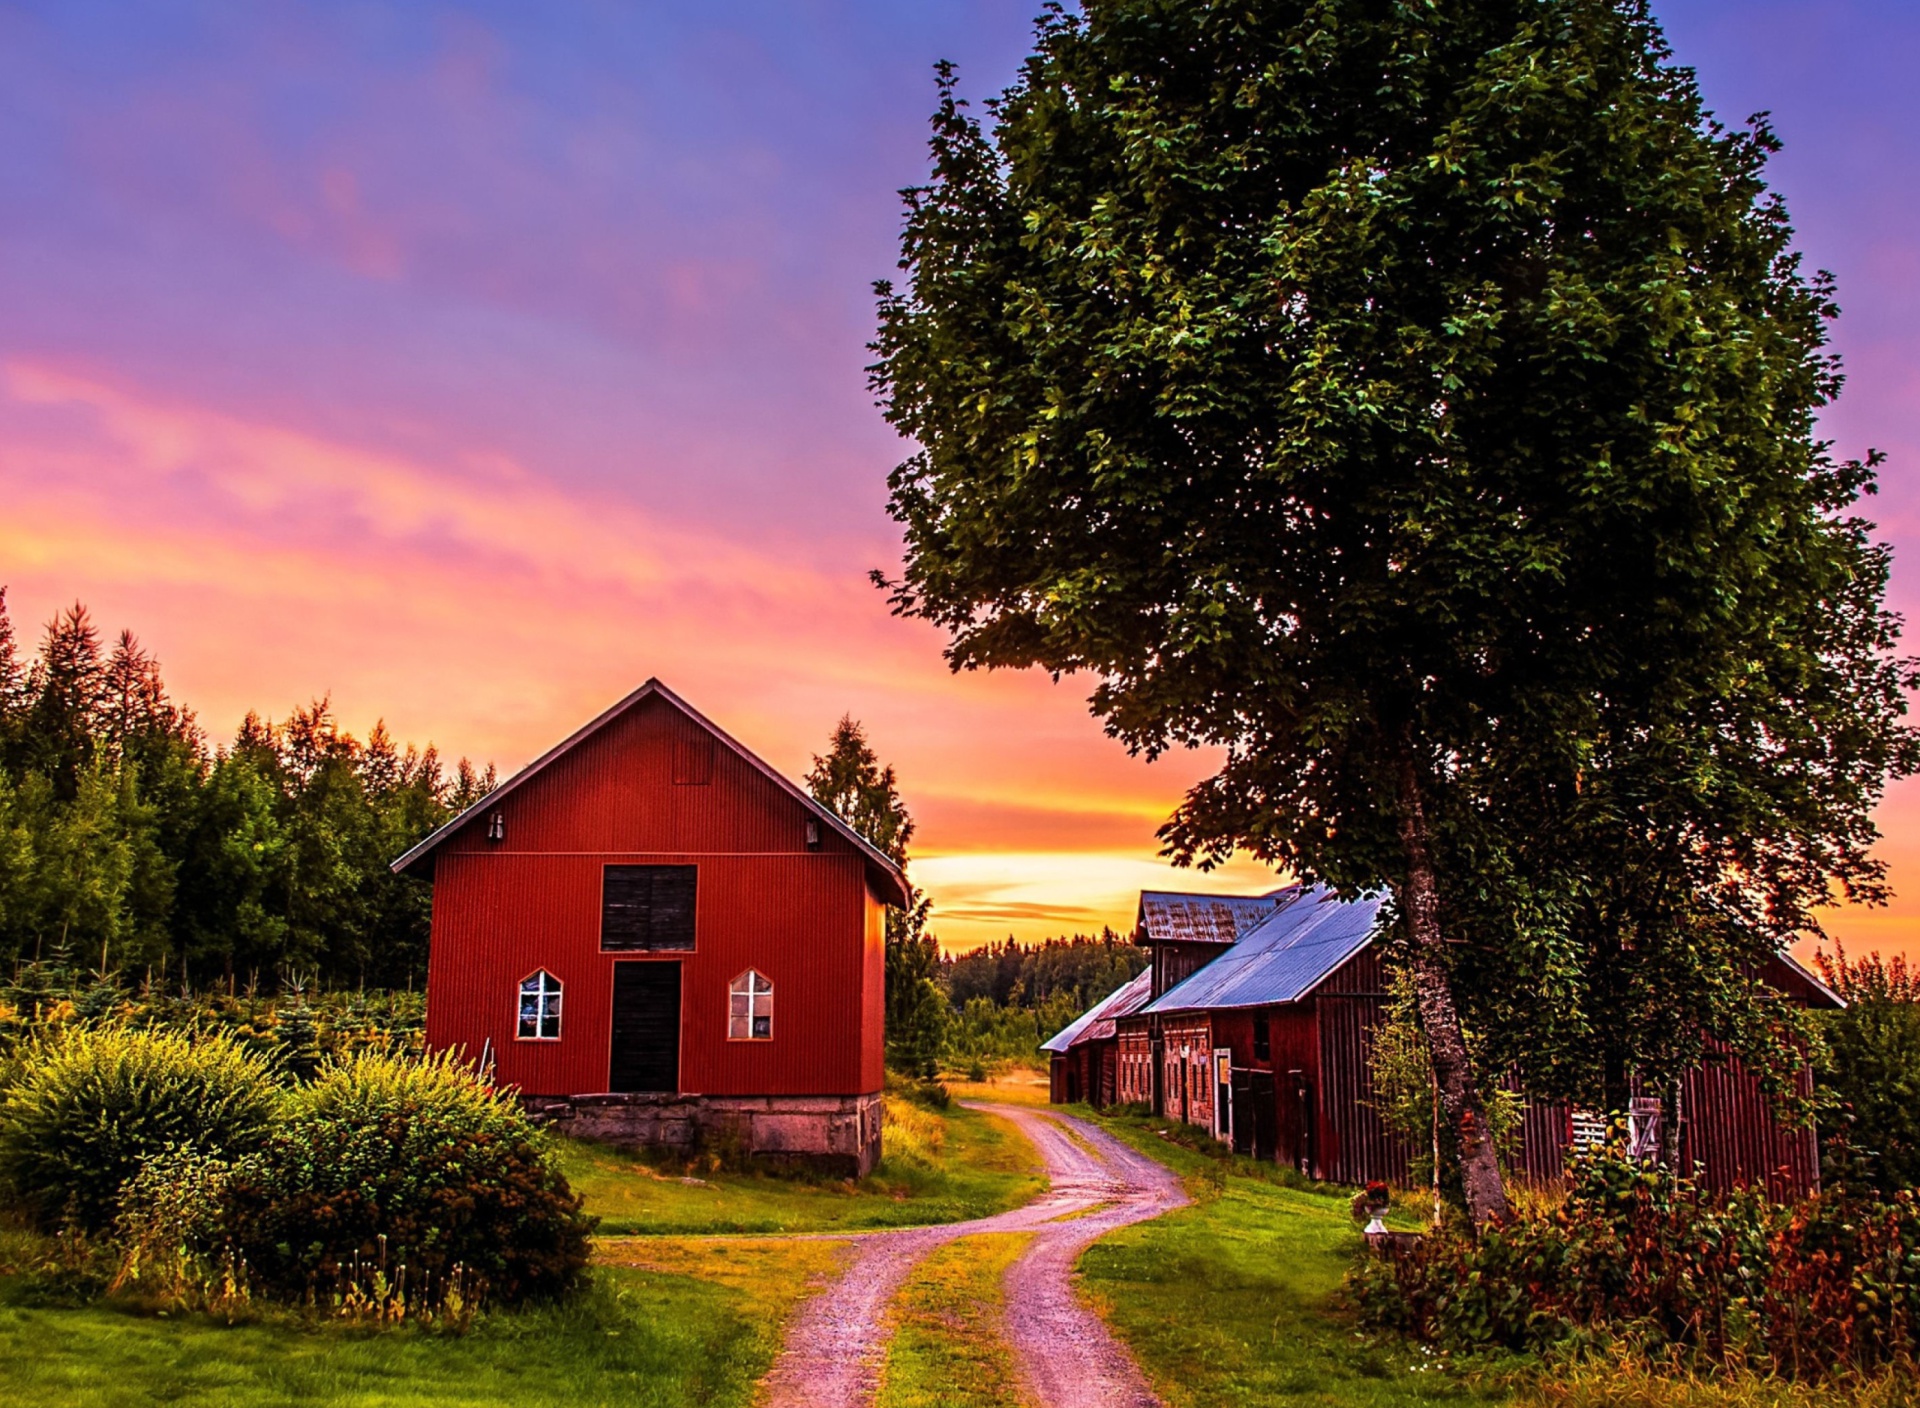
(837, 1134)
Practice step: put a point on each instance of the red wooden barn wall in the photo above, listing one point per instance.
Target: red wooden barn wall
(806, 919)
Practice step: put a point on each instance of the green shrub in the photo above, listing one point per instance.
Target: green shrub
(90, 1105)
(1636, 1255)
(387, 1161)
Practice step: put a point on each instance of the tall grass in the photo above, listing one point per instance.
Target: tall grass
(911, 1133)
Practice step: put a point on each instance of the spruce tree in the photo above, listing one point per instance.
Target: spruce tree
(849, 780)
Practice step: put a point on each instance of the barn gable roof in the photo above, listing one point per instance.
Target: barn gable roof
(886, 877)
(1816, 993)
(1097, 1022)
(1167, 916)
(1284, 957)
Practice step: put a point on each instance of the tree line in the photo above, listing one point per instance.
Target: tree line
(132, 845)
(1081, 969)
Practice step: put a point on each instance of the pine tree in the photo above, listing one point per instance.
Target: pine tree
(12, 683)
(297, 1032)
(849, 780)
(63, 714)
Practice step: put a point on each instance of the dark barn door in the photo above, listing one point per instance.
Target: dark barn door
(1260, 1095)
(1242, 1106)
(646, 1028)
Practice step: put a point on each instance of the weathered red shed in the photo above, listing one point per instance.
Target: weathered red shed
(1260, 1024)
(654, 934)
(1083, 1059)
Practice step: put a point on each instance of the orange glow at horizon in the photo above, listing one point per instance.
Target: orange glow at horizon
(267, 566)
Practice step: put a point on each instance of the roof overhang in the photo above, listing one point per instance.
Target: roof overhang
(889, 882)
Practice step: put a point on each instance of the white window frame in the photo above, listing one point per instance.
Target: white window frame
(757, 988)
(546, 990)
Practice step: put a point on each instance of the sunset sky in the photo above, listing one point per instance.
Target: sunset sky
(471, 364)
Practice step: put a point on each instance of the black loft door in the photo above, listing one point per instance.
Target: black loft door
(646, 1027)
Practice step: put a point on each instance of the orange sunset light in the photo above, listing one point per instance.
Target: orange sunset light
(470, 379)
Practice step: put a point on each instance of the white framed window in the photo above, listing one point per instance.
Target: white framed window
(539, 1008)
(750, 1008)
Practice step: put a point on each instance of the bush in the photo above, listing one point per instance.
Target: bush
(1637, 1255)
(89, 1106)
(387, 1162)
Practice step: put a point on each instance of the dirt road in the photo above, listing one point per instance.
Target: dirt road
(837, 1344)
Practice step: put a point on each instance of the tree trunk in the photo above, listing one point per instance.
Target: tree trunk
(1460, 1102)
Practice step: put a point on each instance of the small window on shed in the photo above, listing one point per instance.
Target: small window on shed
(1262, 1042)
(646, 907)
(540, 1008)
(750, 1008)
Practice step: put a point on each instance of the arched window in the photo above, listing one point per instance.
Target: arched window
(540, 1008)
(750, 1008)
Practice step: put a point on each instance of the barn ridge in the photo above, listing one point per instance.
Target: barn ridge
(890, 880)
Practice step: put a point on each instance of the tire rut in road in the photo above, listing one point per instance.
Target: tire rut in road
(836, 1346)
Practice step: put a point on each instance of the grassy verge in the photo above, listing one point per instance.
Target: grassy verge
(940, 1166)
(947, 1350)
(1019, 1085)
(701, 1331)
(1232, 1300)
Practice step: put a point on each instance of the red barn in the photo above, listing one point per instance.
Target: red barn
(1258, 1026)
(656, 936)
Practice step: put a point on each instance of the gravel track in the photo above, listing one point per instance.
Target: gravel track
(1067, 1357)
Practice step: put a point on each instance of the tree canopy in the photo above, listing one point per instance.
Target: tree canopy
(1418, 402)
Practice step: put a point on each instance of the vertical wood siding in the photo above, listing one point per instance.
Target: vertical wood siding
(804, 918)
(1294, 1037)
(1729, 1135)
(1356, 1145)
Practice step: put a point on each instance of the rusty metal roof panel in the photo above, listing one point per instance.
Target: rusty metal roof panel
(1170, 917)
(1130, 996)
(1284, 958)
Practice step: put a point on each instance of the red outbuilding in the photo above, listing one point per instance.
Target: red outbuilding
(1257, 1023)
(654, 935)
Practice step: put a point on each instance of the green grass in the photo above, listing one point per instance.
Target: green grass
(970, 1165)
(665, 1322)
(637, 1337)
(947, 1349)
(1233, 1300)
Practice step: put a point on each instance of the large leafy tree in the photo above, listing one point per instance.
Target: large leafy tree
(850, 780)
(1417, 401)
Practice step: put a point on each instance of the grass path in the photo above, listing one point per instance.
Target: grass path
(949, 1348)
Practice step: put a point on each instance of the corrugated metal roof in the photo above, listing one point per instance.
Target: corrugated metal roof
(1130, 996)
(1282, 959)
(1169, 917)
(892, 880)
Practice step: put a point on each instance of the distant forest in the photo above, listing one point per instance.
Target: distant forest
(1009, 997)
(1077, 971)
(132, 844)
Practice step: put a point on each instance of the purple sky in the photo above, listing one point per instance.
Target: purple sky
(474, 363)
